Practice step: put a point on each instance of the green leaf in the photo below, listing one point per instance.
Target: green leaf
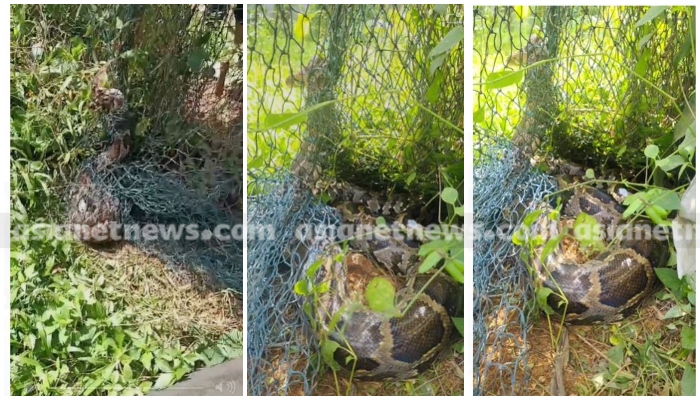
(256, 162)
(456, 270)
(163, 380)
(653, 12)
(92, 386)
(302, 288)
(459, 324)
(550, 246)
(664, 198)
(673, 312)
(437, 62)
(644, 41)
(532, 217)
(430, 262)
(519, 236)
(435, 88)
(453, 38)
(434, 245)
(688, 337)
(634, 203)
(146, 359)
(590, 174)
(651, 151)
(324, 287)
(670, 163)
(522, 12)
(687, 146)
(163, 365)
(26, 361)
(669, 277)
(643, 63)
(283, 120)
(449, 195)
(441, 8)
(127, 372)
(328, 348)
(623, 150)
(616, 354)
(686, 47)
(587, 231)
(67, 82)
(542, 294)
(288, 119)
(688, 381)
(380, 295)
(501, 79)
(411, 177)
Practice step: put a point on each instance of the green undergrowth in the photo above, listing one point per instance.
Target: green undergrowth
(78, 325)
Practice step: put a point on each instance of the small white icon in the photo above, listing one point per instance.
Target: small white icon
(230, 387)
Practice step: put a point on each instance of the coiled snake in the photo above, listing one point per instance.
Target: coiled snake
(609, 286)
(375, 345)
(94, 212)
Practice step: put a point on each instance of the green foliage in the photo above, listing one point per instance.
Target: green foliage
(74, 333)
(72, 330)
(611, 92)
(441, 50)
(657, 203)
(380, 295)
(587, 231)
(638, 354)
(390, 112)
(614, 91)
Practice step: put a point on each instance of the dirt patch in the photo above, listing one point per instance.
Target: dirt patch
(444, 378)
(587, 353)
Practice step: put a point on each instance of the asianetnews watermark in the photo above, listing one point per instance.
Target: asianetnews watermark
(114, 231)
(470, 233)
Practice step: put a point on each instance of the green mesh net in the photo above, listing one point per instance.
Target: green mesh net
(179, 69)
(590, 85)
(347, 93)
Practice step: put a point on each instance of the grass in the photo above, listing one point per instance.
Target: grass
(650, 353)
(653, 353)
(384, 97)
(268, 94)
(380, 115)
(611, 91)
(84, 321)
(85, 325)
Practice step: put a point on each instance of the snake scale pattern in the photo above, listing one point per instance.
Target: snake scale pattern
(610, 286)
(371, 344)
(91, 208)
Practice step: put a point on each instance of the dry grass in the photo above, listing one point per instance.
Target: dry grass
(587, 355)
(189, 304)
(444, 378)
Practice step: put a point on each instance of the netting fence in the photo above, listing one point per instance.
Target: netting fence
(597, 84)
(178, 68)
(345, 93)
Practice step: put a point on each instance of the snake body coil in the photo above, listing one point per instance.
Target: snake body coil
(92, 208)
(374, 345)
(609, 286)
